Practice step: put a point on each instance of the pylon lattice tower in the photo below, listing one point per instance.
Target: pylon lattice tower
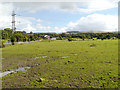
(13, 21)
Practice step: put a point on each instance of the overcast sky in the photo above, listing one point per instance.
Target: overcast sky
(99, 15)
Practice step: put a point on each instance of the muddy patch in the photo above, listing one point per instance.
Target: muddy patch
(34, 58)
(2, 58)
(65, 57)
(23, 69)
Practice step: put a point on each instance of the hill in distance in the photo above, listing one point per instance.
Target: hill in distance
(86, 31)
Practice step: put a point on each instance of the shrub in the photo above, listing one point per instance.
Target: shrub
(2, 45)
(12, 40)
(31, 38)
(59, 38)
(102, 38)
(70, 39)
(92, 45)
(25, 39)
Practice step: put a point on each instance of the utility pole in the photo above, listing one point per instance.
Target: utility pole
(13, 21)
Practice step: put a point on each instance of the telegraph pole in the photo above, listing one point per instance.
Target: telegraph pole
(13, 21)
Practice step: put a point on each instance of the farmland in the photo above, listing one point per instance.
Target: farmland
(62, 64)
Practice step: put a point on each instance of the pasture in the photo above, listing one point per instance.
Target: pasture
(62, 64)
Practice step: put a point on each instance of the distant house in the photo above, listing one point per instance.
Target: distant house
(53, 38)
(44, 36)
(47, 37)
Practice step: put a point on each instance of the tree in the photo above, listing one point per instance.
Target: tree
(59, 38)
(24, 32)
(12, 40)
(63, 34)
(18, 36)
(8, 31)
(108, 36)
(25, 39)
(31, 32)
(83, 37)
(4, 35)
(31, 38)
(35, 36)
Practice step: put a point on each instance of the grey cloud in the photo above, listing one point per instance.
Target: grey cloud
(83, 6)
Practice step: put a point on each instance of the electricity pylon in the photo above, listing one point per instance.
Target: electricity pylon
(13, 21)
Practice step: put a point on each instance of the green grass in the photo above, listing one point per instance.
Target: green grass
(89, 64)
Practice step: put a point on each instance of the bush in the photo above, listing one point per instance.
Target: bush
(70, 39)
(102, 38)
(39, 38)
(59, 38)
(93, 45)
(12, 40)
(25, 39)
(2, 45)
(32, 38)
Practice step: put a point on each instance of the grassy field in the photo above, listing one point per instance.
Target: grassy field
(76, 64)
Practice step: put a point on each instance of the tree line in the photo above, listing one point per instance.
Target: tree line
(7, 34)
